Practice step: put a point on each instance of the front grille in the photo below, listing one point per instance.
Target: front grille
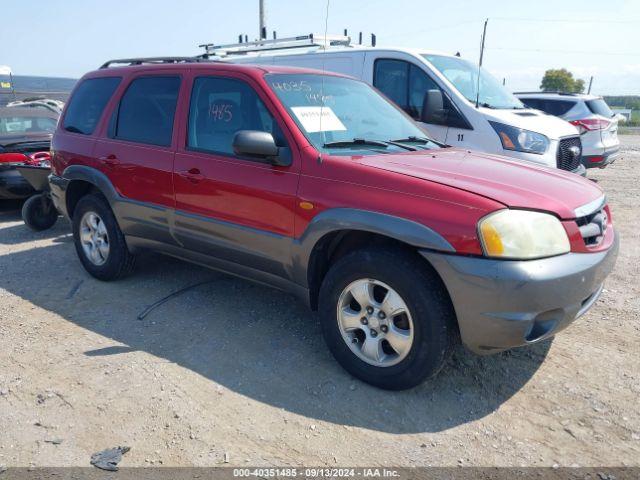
(567, 158)
(593, 227)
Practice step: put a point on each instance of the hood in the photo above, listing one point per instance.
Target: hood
(552, 127)
(515, 184)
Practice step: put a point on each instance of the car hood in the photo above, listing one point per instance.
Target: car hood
(515, 184)
(534, 120)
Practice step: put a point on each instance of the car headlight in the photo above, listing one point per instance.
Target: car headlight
(522, 234)
(520, 140)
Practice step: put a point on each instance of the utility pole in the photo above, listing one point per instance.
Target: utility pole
(263, 27)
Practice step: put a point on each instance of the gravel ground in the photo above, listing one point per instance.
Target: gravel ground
(232, 373)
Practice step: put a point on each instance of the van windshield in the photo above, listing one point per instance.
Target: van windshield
(463, 74)
(342, 116)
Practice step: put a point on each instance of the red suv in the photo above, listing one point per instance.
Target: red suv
(317, 185)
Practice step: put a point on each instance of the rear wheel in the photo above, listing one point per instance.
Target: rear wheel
(386, 318)
(39, 213)
(99, 241)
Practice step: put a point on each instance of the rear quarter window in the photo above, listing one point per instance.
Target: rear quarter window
(599, 107)
(87, 104)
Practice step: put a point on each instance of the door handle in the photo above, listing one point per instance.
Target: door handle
(192, 175)
(110, 159)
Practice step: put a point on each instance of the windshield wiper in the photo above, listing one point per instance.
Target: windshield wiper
(356, 142)
(412, 139)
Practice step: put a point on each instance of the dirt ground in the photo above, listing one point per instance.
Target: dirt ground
(232, 373)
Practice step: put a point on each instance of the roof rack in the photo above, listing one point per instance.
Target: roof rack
(152, 61)
(300, 41)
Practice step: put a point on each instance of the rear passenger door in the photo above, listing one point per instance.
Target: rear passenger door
(137, 153)
(237, 208)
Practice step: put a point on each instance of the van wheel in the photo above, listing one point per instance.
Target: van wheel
(99, 241)
(39, 213)
(386, 319)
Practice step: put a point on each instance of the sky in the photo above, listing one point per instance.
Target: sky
(599, 38)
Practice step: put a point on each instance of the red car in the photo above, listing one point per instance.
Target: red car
(25, 137)
(317, 185)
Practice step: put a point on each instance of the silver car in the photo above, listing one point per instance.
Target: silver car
(590, 114)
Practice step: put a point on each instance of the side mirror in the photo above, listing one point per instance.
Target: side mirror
(255, 143)
(433, 110)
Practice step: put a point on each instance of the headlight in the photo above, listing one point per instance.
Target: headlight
(520, 140)
(522, 234)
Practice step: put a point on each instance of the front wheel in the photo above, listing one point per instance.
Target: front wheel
(386, 317)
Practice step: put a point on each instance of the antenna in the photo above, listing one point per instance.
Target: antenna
(373, 39)
(590, 83)
(360, 38)
(326, 25)
(484, 35)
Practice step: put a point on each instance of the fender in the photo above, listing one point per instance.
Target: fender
(94, 177)
(337, 219)
(136, 219)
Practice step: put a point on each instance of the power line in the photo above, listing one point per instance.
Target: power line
(563, 20)
(577, 52)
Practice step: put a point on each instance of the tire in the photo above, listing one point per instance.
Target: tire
(425, 333)
(101, 246)
(39, 213)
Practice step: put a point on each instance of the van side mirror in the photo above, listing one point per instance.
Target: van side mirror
(258, 144)
(433, 110)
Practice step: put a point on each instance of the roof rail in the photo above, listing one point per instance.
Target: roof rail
(151, 61)
(300, 41)
(557, 92)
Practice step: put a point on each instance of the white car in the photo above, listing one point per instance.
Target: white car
(438, 90)
(598, 125)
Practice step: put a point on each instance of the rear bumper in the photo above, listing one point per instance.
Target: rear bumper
(58, 186)
(601, 161)
(13, 185)
(502, 304)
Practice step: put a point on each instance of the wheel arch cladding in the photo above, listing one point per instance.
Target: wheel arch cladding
(84, 179)
(329, 230)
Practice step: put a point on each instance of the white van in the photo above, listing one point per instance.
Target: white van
(438, 90)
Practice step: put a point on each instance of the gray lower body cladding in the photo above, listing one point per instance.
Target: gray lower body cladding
(501, 304)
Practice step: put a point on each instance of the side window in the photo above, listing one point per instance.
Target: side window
(419, 84)
(407, 85)
(87, 104)
(146, 111)
(219, 108)
(558, 107)
(391, 77)
(532, 103)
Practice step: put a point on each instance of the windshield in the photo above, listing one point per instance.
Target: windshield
(463, 74)
(14, 125)
(332, 112)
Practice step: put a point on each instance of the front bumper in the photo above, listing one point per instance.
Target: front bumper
(502, 304)
(13, 185)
